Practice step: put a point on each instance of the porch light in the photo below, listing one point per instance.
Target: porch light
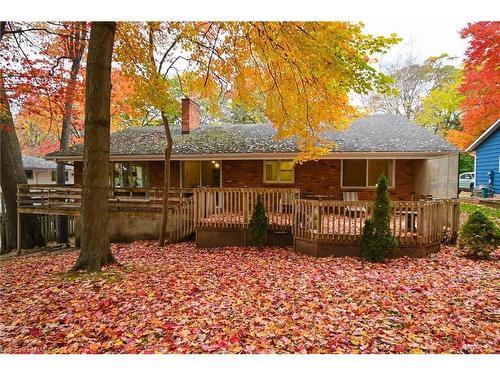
(216, 165)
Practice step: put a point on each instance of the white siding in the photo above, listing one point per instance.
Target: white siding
(437, 177)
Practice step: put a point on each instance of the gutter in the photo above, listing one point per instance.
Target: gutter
(269, 155)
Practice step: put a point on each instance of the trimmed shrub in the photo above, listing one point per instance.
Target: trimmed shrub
(368, 240)
(257, 229)
(479, 236)
(377, 241)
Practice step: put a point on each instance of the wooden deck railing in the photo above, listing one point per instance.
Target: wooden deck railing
(342, 222)
(233, 207)
(412, 222)
(181, 223)
(66, 199)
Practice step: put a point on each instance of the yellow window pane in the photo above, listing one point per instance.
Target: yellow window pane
(271, 170)
(286, 165)
(354, 173)
(210, 173)
(191, 174)
(286, 176)
(376, 168)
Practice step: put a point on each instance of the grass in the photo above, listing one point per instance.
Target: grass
(492, 213)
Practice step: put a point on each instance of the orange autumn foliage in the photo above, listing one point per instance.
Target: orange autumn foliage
(481, 83)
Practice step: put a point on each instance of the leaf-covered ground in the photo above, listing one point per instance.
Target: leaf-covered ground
(186, 300)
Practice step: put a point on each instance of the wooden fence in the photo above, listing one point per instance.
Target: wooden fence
(412, 222)
(232, 208)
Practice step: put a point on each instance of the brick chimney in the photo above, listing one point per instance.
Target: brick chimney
(190, 116)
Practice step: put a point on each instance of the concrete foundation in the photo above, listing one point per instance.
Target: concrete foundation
(123, 227)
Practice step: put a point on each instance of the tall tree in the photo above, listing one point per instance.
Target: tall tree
(440, 110)
(95, 251)
(412, 81)
(73, 46)
(302, 72)
(481, 82)
(11, 166)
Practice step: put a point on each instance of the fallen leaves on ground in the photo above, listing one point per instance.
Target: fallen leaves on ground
(181, 299)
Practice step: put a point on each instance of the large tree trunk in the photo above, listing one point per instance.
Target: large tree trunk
(166, 184)
(62, 221)
(95, 251)
(12, 174)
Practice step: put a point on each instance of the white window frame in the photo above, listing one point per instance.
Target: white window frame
(279, 171)
(393, 177)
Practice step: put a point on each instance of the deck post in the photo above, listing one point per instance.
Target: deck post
(18, 240)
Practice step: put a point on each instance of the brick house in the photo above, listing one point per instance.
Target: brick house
(416, 162)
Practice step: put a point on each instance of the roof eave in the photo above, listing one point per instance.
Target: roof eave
(268, 155)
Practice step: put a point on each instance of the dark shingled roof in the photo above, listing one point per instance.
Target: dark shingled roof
(378, 133)
(32, 162)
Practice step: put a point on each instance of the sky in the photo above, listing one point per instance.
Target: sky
(425, 38)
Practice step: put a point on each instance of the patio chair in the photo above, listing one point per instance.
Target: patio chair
(352, 196)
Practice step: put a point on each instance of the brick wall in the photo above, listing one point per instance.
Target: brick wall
(190, 116)
(316, 177)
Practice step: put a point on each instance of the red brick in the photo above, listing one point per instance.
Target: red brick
(315, 177)
(190, 116)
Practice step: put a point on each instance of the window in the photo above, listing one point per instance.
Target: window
(278, 171)
(379, 167)
(191, 174)
(201, 173)
(354, 173)
(53, 175)
(362, 173)
(128, 174)
(29, 173)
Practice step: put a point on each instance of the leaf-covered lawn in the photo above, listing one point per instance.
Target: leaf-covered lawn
(492, 213)
(186, 300)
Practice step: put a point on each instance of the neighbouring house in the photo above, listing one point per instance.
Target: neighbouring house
(40, 171)
(486, 149)
(319, 207)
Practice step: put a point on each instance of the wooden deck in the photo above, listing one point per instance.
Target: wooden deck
(221, 216)
(142, 206)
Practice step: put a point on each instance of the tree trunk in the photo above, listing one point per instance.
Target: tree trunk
(166, 184)
(62, 220)
(11, 174)
(95, 251)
